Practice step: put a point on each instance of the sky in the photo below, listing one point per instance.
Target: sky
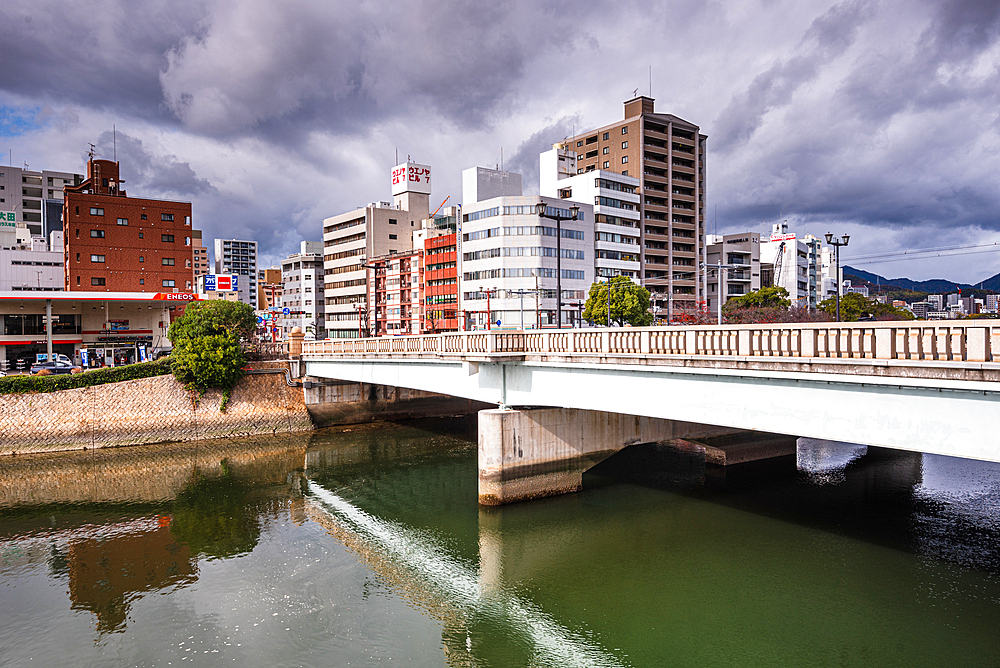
(880, 120)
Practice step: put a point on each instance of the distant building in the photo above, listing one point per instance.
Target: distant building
(441, 284)
(269, 287)
(856, 289)
(741, 249)
(395, 296)
(352, 239)
(34, 266)
(238, 256)
(936, 302)
(920, 309)
(116, 243)
(199, 256)
(616, 227)
(303, 291)
(35, 197)
(801, 264)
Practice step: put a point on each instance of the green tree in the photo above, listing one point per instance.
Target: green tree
(216, 360)
(854, 306)
(215, 316)
(762, 298)
(629, 303)
(208, 343)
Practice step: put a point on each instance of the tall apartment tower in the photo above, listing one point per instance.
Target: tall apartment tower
(351, 240)
(302, 291)
(667, 155)
(238, 256)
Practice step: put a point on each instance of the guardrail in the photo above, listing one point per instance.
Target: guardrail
(879, 340)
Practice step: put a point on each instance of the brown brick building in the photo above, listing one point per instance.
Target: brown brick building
(667, 154)
(116, 243)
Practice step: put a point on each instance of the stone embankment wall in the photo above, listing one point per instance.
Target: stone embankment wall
(148, 410)
(332, 402)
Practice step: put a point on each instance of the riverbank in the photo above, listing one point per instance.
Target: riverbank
(148, 410)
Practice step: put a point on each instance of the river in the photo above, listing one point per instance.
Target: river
(366, 546)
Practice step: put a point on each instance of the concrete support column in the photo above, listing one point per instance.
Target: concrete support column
(530, 453)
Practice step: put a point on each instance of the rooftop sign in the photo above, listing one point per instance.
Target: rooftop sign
(411, 177)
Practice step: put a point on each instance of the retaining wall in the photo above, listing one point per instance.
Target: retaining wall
(148, 410)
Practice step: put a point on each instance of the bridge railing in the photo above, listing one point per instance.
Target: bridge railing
(924, 341)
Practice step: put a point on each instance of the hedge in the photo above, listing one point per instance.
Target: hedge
(69, 381)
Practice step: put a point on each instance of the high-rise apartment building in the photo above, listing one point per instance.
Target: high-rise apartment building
(352, 239)
(116, 243)
(303, 291)
(238, 256)
(35, 197)
(667, 155)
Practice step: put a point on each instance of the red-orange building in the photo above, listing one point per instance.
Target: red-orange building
(441, 284)
(116, 243)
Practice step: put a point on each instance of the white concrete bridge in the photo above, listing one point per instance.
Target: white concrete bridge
(925, 386)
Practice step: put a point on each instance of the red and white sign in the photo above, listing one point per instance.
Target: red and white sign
(782, 237)
(176, 296)
(223, 282)
(411, 177)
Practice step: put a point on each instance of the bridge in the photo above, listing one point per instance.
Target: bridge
(569, 398)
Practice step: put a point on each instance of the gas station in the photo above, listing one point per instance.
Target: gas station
(91, 328)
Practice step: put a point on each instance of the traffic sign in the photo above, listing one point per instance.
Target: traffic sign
(259, 320)
(286, 311)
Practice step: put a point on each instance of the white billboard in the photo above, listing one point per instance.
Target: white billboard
(411, 177)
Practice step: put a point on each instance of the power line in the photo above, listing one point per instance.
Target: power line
(928, 257)
(919, 251)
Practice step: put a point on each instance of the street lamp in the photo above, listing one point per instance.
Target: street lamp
(542, 210)
(837, 243)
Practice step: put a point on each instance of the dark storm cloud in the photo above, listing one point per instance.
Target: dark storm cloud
(524, 160)
(828, 37)
(94, 54)
(147, 174)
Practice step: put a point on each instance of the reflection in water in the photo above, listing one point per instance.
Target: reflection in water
(452, 590)
(839, 556)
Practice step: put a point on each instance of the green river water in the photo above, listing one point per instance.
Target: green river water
(367, 548)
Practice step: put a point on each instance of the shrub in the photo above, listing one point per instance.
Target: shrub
(26, 384)
(216, 360)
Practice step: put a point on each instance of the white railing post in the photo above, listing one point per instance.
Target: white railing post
(976, 344)
(644, 342)
(885, 343)
(690, 342)
(743, 343)
(606, 342)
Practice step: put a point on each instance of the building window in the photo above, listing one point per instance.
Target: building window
(78, 280)
(97, 258)
(140, 235)
(392, 236)
(187, 241)
(142, 259)
(96, 281)
(187, 220)
(96, 211)
(168, 282)
(624, 144)
(607, 164)
(142, 217)
(123, 221)
(625, 130)
(77, 257)
(606, 135)
(579, 143)
(167, 238)
(167, 216)
(187, 285)
(187, 264)
(625, 172)
(142, 281)
(624, 159)
(392, 221)
(605, 150)
(168, 262)
(97, 234)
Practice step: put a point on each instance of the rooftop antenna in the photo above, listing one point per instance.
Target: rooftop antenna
(397, 156)
(91, 151)
(635, 92)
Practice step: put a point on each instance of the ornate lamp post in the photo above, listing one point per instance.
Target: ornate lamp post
(837, 243)
(542, 210)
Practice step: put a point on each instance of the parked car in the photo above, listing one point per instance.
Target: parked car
(56, 367)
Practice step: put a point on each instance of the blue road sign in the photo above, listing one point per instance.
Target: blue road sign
(286, 311)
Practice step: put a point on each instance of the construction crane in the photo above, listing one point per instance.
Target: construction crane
(440, 205)
(777, 265)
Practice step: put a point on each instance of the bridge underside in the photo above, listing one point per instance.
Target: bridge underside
(940, 417)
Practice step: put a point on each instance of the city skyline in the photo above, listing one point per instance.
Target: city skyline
(873, 119)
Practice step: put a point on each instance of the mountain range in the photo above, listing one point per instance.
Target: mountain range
(933, 286)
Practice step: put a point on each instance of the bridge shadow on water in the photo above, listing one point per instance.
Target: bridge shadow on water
(933, 506)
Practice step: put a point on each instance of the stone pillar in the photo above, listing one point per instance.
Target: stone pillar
(295, 343)
(531, 453)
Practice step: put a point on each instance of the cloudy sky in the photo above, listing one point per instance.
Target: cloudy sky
(877, 119)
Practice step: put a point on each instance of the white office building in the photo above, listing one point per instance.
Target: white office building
(238, 256)
(798, 265)
(303, 292)
(740, 250)
(512, 261)
(33, 265)
(615, 200)
(35, 197)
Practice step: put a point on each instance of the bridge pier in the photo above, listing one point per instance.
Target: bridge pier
(534, 452)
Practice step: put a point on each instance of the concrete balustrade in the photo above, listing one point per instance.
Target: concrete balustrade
(951, 342)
